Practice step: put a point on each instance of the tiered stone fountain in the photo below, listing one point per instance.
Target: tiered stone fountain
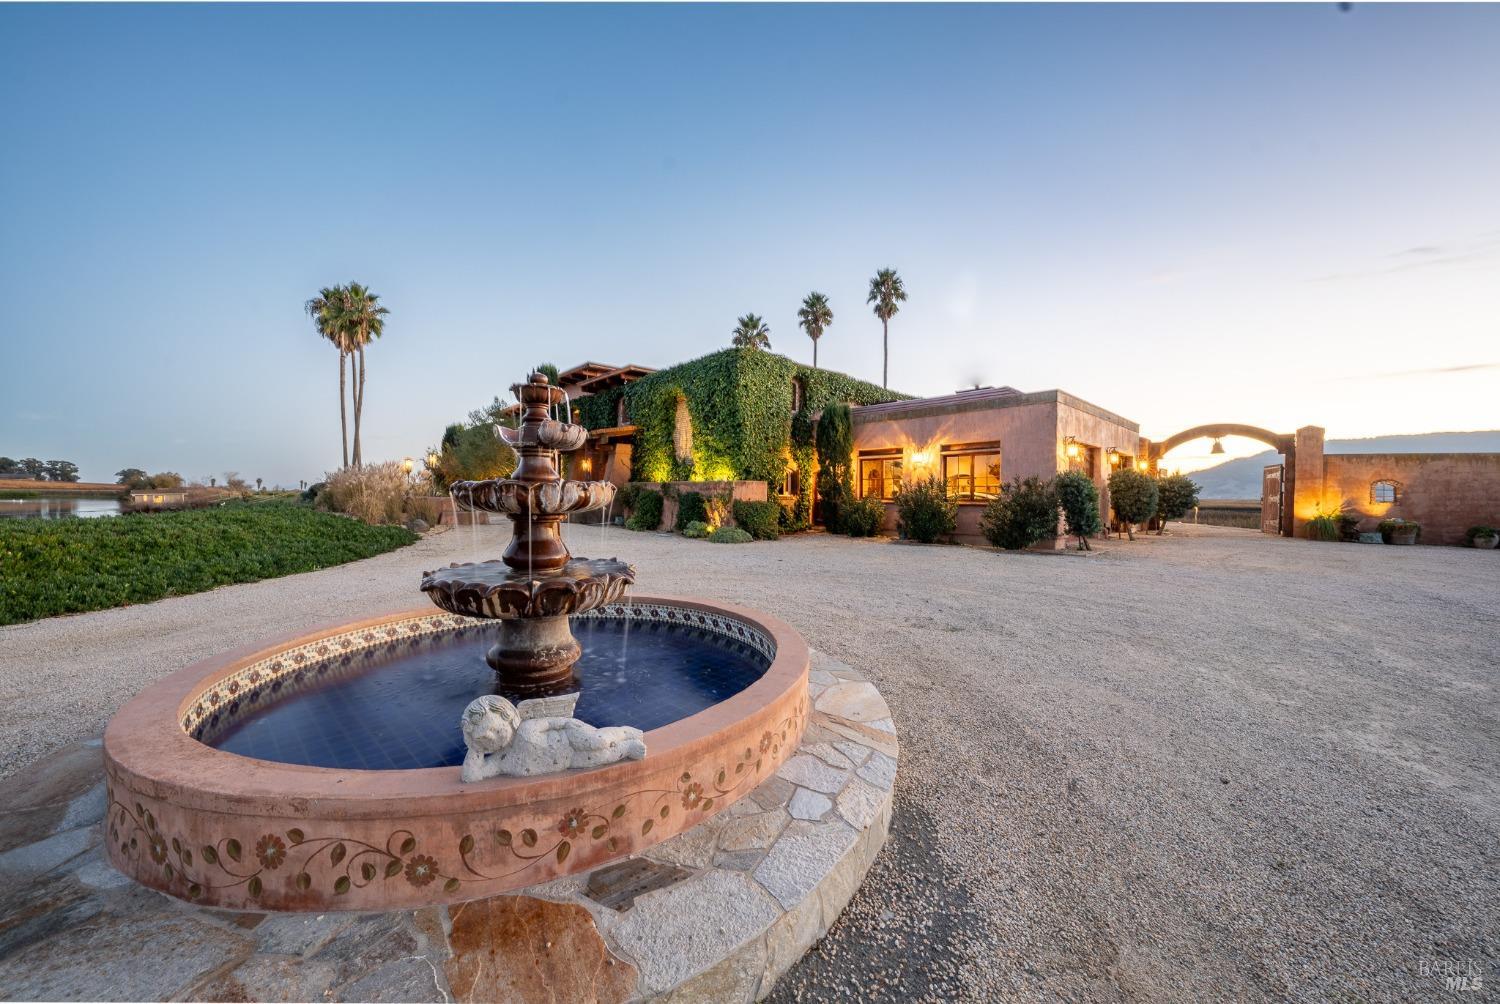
(537, 585)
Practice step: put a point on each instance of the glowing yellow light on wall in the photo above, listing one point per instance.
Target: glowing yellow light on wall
(586, 465)
(921, 458)
(1141, 465)
(1114, 457)
(1071, 448)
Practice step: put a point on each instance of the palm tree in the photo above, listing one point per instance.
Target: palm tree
(886, 292)
(363, 321)
(814, 316)
(751, 333)
(328, 310)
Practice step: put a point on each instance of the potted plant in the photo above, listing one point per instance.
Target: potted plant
(1483, 537)
(1399, 531)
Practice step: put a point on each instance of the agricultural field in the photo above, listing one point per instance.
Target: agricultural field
(50, 567)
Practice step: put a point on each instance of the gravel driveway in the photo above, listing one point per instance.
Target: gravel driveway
(1208, 765)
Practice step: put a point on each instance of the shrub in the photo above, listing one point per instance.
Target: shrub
(1175, 495)
(626, 495)
(645, 514)
(862, 517)
(729, 535)
(311, 492)
(696, 530)
(1477, 532)
(1133, 497)
(1078, 498)
(834, 440)
(1025, 513)
(67, 566)
(758, 519)
(718, 508)
(1390, 527)
(924, 512)
(1348, 525)
(691, 509)
(787, 520)
(371, 494)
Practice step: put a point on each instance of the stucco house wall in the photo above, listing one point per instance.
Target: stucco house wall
(1029, 428)
(1446, 492)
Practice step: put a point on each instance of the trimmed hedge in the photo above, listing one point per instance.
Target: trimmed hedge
(1024, 514)
(68, 566)
(645, 513)
(729, 535)
(691, 508)
(759, 519)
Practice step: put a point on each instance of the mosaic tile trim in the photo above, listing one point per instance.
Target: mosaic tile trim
(303, 666)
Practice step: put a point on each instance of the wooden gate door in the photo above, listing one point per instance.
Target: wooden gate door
(1270, 499)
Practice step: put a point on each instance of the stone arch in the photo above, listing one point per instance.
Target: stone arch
(1283, 443)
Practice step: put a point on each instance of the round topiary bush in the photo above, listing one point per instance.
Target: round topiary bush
(862, 517)
(924, 512)
(646, 513)
(1133, 496)
(1024, 514)
(729, 535)
(1079, 501)
(697, 530)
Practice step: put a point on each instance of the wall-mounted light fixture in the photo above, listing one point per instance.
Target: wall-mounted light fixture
(586, 465)
(1114, 456)
(1141, 465)
(1072, 448)
(920, 458)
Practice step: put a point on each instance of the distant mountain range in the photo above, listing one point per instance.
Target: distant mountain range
(1240, 478)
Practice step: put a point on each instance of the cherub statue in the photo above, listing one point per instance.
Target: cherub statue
(538, 737)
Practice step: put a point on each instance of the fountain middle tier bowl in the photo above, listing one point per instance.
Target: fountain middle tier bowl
(494, 591)
(510, 497)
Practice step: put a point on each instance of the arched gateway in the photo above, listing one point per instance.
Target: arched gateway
(1278, 486)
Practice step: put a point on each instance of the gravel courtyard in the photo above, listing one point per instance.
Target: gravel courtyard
(1207, 765)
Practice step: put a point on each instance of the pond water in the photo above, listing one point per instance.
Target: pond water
(58, 507)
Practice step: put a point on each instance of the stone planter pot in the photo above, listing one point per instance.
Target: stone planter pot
(1486, 543)
(1402, 537)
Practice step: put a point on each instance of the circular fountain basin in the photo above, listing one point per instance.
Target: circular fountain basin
(220, 828)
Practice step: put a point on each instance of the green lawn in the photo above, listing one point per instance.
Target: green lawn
(66, 566)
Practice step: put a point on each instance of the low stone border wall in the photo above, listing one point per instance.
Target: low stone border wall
(717, 913)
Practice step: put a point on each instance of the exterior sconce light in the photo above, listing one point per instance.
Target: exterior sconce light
(586, 465)
(920, 458)
(1141, 465)
(1114, 456)
(1071, 448)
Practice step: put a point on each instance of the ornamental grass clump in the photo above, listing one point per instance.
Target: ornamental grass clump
(1025, 513)
(374, 493)
(924, 512)
(1079, 500)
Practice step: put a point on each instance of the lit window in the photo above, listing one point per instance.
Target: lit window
(791, 482)
(1385, 492)
(879, 477)
(972, 477)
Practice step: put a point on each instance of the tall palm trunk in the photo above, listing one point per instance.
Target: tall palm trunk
(815, 353)
(885, 345)
(359, 405)
(343, 414)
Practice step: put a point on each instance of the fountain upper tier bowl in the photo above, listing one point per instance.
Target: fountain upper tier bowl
(511, 497)
(493, 590)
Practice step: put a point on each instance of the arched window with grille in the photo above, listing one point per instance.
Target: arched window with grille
(1385, 492)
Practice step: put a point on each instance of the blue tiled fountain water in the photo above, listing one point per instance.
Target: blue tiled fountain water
(401, 710)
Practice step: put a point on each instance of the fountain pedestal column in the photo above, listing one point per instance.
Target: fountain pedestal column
(535, 657)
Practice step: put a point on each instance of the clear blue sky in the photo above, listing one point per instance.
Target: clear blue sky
(1278, 215)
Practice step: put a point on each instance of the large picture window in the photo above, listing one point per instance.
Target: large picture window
(972, 477)
(879, 477)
